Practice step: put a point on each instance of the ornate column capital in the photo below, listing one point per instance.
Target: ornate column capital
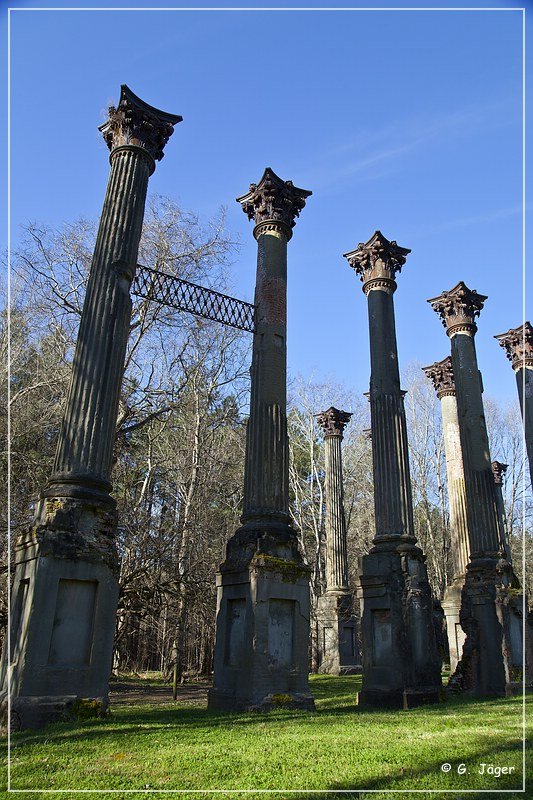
(498, 470)
(458, 308)
(518, 345)
(377, 262)
(273, 204)
(333, 421)
(135, 124)
(441, 373)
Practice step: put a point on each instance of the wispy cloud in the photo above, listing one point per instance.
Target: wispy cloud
(475, 219)
(387, 147)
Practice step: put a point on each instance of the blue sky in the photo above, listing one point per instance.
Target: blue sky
(406, 121)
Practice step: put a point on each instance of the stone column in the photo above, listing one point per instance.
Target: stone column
(401, 666)
(486, 666)
(65, 590)
(337, 624)
(515, 603)
(518, 345)
(441, 374)
(499, 470)
(262, 634)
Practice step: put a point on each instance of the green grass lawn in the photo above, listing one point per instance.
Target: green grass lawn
(180, 746)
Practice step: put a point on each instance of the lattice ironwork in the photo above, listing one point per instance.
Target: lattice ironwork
(177, 293)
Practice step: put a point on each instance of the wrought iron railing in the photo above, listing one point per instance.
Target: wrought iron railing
(185, 296)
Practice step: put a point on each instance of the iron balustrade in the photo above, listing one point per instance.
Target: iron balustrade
(175, 292)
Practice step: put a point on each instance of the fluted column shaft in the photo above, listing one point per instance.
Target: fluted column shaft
(392, 482)
(485, 668)
(336, 552)
(333, 423)
(401, 665)
(266, 477)
(518, 345)
(85, 448)
(442, 376)
(456, 484)
(504, 537)
(498, 470)
(273, 204)
(479, 481)
(524, 382)
(136, 134)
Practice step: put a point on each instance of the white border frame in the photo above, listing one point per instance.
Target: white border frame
(524, 609)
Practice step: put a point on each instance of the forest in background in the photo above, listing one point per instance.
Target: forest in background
(179, 449)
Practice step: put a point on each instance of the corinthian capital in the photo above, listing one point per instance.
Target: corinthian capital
(377, 262)
(518, 345)
(273, 202)
(136, 123)
(441, 373)
(333, 421)
(498, 470)
(458, 308)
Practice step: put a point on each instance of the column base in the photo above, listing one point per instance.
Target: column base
(408, 698)
(223, 701)
(528, 642)
(34, 713)
(338, 639)
(492, 656)
(451, 605)
(261, 657)
(401, 665)
(63, 612)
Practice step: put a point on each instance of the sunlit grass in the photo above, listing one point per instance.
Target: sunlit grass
(183, 746)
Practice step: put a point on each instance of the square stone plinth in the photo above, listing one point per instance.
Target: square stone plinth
(338, 635)
(63, 613)
(451, 606)
(491, 663)
(401, 666)
(262, 637)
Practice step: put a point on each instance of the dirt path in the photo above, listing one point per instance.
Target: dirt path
(141, 692)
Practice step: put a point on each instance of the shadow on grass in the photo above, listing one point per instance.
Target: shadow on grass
(151, 719)
(396, 783)
(424, 777)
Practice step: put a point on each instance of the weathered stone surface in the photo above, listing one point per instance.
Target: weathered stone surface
(338, 646)
(486, 666)
(377, 262)
(35, 713)
(401, 668)
(262, 629)
(498, 470)
(62, 618)
(518, 345)
(401, 664)
(273, 202)
(339, 651)
(451, 605)
(134, 123)
(65, 589)
(333, 423)
(458, 308)
(528, 644)
(441, 374)
(72, 529)
(261, 653)
(85, 449)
